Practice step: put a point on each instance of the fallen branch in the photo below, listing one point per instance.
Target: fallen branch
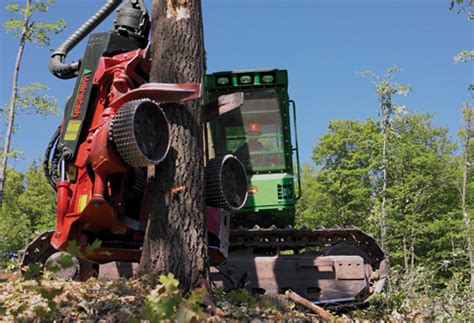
(8, 277)
(323, 314)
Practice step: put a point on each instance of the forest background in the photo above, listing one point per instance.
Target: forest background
(416, 184)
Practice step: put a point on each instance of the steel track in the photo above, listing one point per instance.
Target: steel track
(326, 265)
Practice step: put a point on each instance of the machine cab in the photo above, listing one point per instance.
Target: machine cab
(258, 133)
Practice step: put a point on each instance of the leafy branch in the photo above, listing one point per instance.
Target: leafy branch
(463, 6)
(38, 33)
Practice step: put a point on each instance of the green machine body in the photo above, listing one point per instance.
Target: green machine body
(262, 134)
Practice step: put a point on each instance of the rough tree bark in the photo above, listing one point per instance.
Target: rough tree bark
(13, 98)
(176, 238)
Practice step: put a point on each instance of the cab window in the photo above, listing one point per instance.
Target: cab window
(253, 132)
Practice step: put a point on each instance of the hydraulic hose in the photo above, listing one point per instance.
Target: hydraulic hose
(50, 164)
(56, 63)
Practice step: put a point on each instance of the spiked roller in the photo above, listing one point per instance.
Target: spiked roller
(226, 183)
(141, 134)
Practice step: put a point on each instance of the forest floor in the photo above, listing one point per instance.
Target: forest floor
(45, 298)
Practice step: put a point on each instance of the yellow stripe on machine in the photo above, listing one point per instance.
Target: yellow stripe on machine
(82, 202)
(72, 130)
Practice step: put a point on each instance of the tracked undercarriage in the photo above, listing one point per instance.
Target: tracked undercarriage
(330, 266)
(336, 266)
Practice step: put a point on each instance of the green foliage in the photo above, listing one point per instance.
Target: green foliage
(92, 247)
(28, 30)
(36, 32)
(48, 299)
(62, 260)
(29, 206)
(38, 201)
(424, 222)
(341, 190)
(412, 298)
(194, 302)
(464, 134)
(385, 84)
(463, 6)
(65, 260)
(467, 8)
(464, 56)
(241, 297)
(13, 225)
(30, 100)
(14, 153)
(33, 271)
(468, 120)
(425, 235)
(166, 302)
(423, 190)
(73, 248)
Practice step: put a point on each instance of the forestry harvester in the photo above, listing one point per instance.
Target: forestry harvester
(115, 127)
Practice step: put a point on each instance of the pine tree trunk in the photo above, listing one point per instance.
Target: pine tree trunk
(176, 238)
(13, 98)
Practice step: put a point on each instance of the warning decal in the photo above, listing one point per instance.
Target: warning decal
(72, 130)
(82, 203)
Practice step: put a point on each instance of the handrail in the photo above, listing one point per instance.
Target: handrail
(295, 149)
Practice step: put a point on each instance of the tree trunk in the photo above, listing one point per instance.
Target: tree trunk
(176, 237)
(469, 120)
(385, 107)
(453, 249)
(13, 97)
(405, 253)
(412, 250)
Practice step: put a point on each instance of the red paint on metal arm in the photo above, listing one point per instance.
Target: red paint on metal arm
(161, 93)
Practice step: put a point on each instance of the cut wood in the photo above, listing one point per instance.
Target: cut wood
(323, 314)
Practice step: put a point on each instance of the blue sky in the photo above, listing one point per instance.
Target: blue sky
(322, 43)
